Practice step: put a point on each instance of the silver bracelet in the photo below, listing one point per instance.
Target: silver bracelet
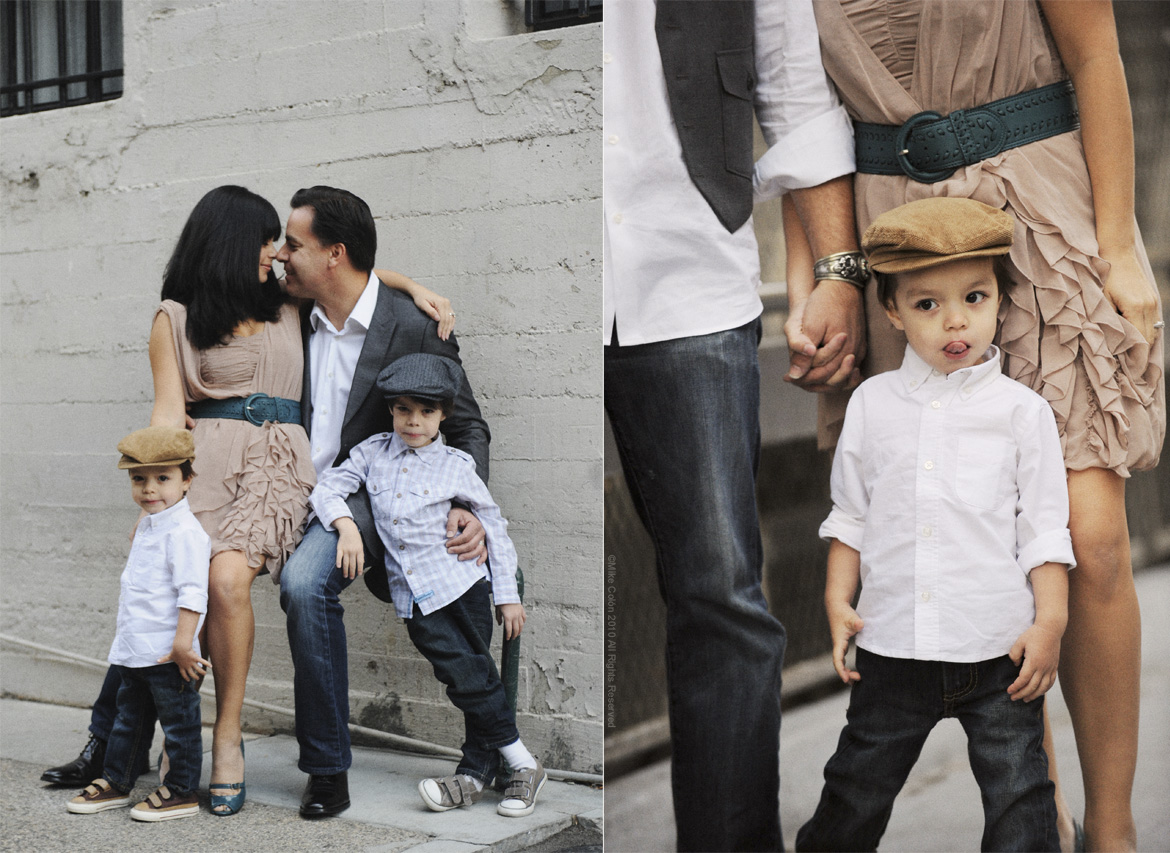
(843, 266)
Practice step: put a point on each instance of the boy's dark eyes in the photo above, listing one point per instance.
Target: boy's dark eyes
(925, 304)
(976, 296)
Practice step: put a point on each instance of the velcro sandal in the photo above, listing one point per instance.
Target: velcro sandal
(523, 788)
(165, 804)
(98, 796)
(449, 792)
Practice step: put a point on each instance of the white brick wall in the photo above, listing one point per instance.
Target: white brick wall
(479, 155)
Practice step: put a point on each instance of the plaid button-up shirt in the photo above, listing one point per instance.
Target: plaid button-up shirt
(410, 493)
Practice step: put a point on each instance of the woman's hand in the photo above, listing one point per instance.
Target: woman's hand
(1131, 294)
(437, 307)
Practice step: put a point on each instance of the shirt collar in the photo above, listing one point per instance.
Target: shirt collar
(916, 373)
(427, 454)
(169, 517)
(360, 317)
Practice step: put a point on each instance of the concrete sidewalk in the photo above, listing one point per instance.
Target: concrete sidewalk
(386, 815)
(939, 808)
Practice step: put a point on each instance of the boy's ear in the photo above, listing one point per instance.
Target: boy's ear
(895, 317)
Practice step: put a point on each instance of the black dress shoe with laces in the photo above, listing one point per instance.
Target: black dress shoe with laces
(82, 770)
(325, 796)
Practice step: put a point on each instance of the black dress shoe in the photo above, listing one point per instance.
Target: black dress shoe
(325, 796)
(82, 770)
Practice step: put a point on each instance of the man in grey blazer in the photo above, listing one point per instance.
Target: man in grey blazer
(354, 327)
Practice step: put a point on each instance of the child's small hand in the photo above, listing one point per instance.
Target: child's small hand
(512, 617)
(843, 624)
(351, 553)
(1039, 649)
(191, 666)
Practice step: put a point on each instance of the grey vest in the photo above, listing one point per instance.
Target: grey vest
(708, 58)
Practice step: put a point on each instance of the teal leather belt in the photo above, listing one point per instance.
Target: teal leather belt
(255, 409)
(929, 147)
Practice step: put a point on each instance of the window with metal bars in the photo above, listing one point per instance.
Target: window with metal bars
(59, 53)
(546, 14)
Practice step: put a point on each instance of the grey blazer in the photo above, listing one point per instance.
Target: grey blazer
(397, 328)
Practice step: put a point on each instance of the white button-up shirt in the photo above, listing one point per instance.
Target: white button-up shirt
(671, 270)
(953, 489)
(166, 570)
(333, 358)
(410, 493)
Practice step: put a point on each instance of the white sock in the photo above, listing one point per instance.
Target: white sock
(517, 756)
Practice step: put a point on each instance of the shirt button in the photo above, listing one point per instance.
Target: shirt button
(935, 404)
(929, 466)
(409, 572)
(926, 531)
(396, 521)
(403, 470)
(926, 596)
(402, 548)
(613, 139)
(607, 57)
(373, 488)
(426, 491)
(398, 495)
(617, 219)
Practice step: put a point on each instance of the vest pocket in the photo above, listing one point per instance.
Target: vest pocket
(737, 73)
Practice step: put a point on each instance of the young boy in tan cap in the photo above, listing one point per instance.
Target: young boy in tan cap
(950, 509)
(156, 650)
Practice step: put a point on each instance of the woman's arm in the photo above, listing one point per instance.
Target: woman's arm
(170, 407)
(437, 307)
(1086, 37)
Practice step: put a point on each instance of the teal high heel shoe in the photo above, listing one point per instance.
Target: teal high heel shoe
(232, 803)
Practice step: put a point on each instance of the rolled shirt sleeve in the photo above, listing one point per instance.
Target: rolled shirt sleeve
(1042, 534)
(809, 135)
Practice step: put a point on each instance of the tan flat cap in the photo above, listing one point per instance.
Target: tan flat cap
(933, 231)
(156, 445)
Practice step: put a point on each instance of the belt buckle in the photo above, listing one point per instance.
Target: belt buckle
(901, 149)
(248, 403)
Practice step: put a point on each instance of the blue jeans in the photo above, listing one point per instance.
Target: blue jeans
(310, 590)
(685, 414)
(145, 692)
(105, 711)
(891, 711)
(456, 639)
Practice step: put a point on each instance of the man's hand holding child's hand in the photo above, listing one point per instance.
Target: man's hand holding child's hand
(351, 553)
(512, 617)
(843, 624)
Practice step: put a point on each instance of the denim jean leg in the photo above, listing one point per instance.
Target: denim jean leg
(685, 415)
(105, 709)
(133, 730)
(310, 590)
(892, 709)
(1005, 745)
(177, 704)
(456, 639)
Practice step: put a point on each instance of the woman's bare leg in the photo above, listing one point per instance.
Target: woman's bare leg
(231, 631)
(1100, 666)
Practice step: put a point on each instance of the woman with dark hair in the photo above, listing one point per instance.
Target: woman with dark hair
(226, 352)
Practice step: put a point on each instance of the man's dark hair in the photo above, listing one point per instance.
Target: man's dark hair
(212, 270)
(887, 282)
(339, 216)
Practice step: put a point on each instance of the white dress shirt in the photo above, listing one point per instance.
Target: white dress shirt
(953, 489)
(333, 358)
(410, 493)
(671, 270)
(166, 570)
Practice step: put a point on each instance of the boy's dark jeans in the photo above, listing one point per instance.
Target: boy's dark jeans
(891, 711)
(456, 639)
(145, 692)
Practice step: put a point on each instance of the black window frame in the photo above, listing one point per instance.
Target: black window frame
(548, 14)
(18, 98)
